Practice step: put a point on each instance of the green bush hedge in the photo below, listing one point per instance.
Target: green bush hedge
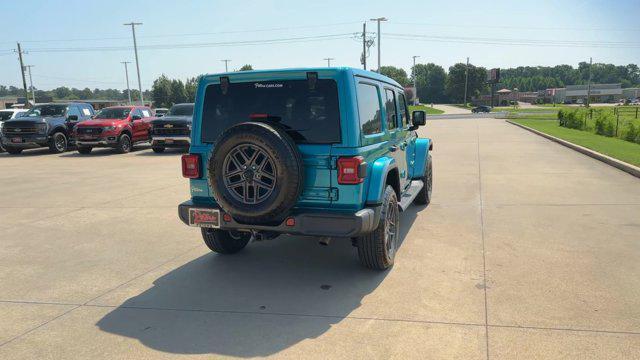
(573, 119)
(604, 123)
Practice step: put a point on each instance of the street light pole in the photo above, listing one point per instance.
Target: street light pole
(126, 74)
(24, 80)
(329, 61)
(135, 49)
(589, 84)
(413, 73)
(33, 92)
(226, 64)
(378, 20)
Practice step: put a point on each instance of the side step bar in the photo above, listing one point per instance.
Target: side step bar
(410, 194)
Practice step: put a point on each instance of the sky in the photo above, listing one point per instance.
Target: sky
(81, 43)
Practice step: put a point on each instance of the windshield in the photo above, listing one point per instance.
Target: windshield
(46, 110)
(181, 110)
(5, 115)
(113, 113)
(309, 113)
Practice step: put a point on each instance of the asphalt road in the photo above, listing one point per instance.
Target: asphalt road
(529, 250)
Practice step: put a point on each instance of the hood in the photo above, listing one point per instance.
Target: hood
(34, 120)
(173, 119)
(101, 122)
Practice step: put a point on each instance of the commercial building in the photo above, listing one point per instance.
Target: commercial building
(600, 93)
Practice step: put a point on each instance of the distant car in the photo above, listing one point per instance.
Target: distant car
(481, 109)
(117, 127)
(174, 129)
(8, 114)
(580, 101)
(635, 101)
(160, 112)
(45, 125)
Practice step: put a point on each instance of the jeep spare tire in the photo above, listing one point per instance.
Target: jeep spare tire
(255, 173)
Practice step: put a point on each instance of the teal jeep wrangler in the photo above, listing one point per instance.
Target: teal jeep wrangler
(325, 152)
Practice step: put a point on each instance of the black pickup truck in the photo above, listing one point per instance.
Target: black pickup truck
(173, 129)
(45, 125)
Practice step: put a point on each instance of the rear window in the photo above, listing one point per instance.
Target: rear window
(308, 112)
(181, 110)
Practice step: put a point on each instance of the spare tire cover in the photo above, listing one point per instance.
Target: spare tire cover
(255, 173)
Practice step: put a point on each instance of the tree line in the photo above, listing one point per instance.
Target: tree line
(435, 85)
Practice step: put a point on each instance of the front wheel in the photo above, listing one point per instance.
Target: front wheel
(157, 150)
(124, 144)
(13, 151)
(225, 242)
(85, 149)
(58, 143)
(377, 250)
(424, 196)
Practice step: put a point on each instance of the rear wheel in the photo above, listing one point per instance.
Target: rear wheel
(225, 242)
(377, 250)
(13, 151)
(58, 143)
(158, 150)
(85, 149)
(124, 144)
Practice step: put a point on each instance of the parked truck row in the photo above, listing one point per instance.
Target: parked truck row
(61, 126)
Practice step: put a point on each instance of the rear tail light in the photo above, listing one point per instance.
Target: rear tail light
(351, 170)
(191, 166)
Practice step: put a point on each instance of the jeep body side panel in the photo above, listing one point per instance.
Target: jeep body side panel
(422, 147)
(377, 179)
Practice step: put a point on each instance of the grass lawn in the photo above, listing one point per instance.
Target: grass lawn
(622, 150)
(428, 109)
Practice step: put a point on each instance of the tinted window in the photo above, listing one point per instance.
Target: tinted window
(181, 110)
(369, 109)
(113, 113)
(307, 111)
(390, 107)
(146, 113)
(404, 114)
(46, 110)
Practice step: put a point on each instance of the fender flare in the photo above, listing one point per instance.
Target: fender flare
(377, 176)
(423, 146)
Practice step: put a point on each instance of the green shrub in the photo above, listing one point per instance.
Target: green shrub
(573, 119)
(632, 133)
(605, 124)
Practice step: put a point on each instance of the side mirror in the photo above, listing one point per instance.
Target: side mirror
(72, 118)
(418, 118)
(135, 117)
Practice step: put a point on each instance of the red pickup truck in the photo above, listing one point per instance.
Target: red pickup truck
(118, 127)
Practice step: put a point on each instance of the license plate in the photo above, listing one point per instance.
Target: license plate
(87, 137)
(209, 218)
(16, 140)
(168, 141)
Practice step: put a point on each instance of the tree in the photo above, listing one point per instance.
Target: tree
(430, 82)
(190, 87)
(454, 85)
(161, 90)
(246, 67)
(396, 74)
(178, 93)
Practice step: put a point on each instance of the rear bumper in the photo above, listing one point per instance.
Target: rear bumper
(315, 223)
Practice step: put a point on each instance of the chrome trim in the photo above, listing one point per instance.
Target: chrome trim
(174, 138)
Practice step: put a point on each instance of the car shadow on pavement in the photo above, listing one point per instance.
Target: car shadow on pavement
(271, 296)
(30, 152)
(98, 152)
(167, 152)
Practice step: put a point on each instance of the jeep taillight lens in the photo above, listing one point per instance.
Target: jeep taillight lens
(351, 170)
(191, 166)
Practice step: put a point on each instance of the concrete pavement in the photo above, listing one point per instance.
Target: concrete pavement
(529, 250)
(450, 109)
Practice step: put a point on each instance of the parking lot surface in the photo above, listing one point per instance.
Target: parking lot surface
(528, 250)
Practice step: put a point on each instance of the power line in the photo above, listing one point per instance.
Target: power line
(514, 27)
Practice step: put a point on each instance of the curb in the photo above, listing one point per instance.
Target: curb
(626, 167)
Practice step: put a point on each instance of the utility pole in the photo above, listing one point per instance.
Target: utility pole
(364, 45)
(466, 82)
(33, 92)
(135, 48)
(328, 61)
(413, 73)
(379, 20)
(126, 74)
(589, 84)
(226, 65)
(24, 79)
